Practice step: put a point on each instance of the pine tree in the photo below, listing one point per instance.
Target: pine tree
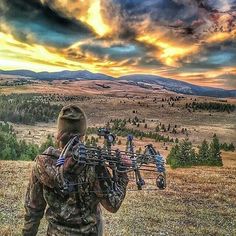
(174, 131)
(193, 156)
(168, 127)
(6, 153)
(231, 147)
(93, 141)
(87, 143)
(203, 153)
(139, 150)
(186, 153)
(173, 159)
(224, 146)
(163, 127)
(214, 152)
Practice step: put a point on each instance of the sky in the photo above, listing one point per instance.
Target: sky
(189, 40)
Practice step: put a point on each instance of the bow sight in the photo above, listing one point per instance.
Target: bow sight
(108, 136)
(149, 161)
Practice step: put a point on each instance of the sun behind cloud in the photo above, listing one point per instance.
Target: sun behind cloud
(94, 18)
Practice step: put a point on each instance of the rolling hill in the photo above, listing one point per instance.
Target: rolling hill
(166, 83)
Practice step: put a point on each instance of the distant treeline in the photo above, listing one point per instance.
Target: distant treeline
(27, 109)
(63, 98)
(118, 127)
(184, 155)
(227, 147)
(19, 82)
(211, 106)
(12, 149)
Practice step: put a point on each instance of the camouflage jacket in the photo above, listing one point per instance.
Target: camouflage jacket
(73, 212)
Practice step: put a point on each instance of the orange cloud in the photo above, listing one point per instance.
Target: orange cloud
(208, 77)
(218, 37)
(168, 52)
(87, 11)
(18, 55)
(94, 18)
(36, 57)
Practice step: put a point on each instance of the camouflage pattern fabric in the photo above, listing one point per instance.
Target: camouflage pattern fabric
(75, 211)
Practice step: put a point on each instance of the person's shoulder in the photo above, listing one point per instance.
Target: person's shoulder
(45, 166)
(51, 154)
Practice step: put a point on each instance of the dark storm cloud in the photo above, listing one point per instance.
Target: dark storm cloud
(219, 5)
(163, 11)
(149, 62)
(114, 52)
(218, 55)
(32, 18)
(182, 17)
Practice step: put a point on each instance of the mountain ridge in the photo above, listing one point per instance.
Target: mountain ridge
(167, 83)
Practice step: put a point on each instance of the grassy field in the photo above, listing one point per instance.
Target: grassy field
(197, 201)
(120, 101)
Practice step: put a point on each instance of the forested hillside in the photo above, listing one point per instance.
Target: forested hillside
(27, 109)
(13, 149)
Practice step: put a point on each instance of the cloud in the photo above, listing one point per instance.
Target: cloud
(173, 38)
(33, 21)
(227, 80)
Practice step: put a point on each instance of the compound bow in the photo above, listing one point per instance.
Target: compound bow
(150, 160)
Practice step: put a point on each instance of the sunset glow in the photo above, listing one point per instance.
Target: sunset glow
(176, 39)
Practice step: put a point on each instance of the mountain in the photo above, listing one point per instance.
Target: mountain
(25, 73)
(168, 84)
(179, 86)
(61, 75)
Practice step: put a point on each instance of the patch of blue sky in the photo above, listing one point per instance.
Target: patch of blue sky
(115, 52)
(46, 35)
(221, 58)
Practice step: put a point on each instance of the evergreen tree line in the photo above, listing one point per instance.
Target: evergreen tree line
(227, 147)
(123, 132)
(62, 98)
(12, 149)
(120, 124)
(27, 109)
(119, 127)
(93, 142)
(211, 106)
(19, 82)
(184, 155)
